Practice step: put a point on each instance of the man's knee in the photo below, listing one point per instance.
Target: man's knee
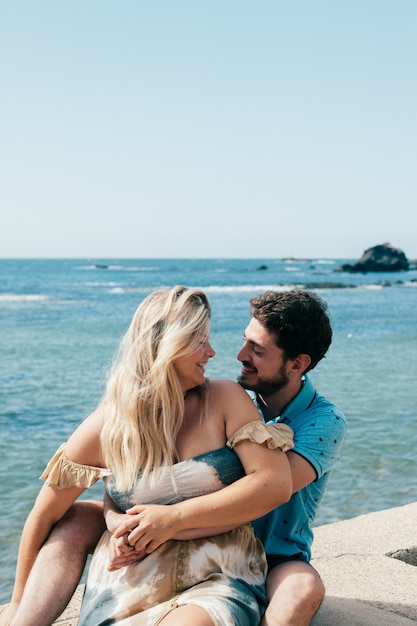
(81, 526)
(295, 593)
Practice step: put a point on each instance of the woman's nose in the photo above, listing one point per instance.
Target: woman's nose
(210, 351)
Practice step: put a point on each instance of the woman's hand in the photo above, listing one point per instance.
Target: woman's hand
(150, 525)
(121, 553)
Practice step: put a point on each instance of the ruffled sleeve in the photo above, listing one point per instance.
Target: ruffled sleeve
(274, 435)
(61, 472)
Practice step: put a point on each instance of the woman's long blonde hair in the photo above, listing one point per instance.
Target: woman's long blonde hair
(143, 402)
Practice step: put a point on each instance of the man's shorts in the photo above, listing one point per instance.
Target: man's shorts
(274, 560)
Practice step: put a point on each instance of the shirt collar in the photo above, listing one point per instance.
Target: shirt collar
(298, 404)
(301, 402)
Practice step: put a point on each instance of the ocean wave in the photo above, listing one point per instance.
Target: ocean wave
(246, 288)
(121, 290)
(210, 288)
(134, 268)
(118, 268)
(22, 297)
(295, 260)
(99, 283)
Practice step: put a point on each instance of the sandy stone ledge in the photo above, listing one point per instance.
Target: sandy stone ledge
(369, 567)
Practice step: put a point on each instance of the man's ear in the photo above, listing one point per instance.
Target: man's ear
(300, 364)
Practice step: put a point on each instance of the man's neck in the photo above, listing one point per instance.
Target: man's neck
(273, 405)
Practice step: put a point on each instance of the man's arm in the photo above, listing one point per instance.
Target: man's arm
(303, 473)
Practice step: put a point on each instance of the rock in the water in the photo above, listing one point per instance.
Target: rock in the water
(381, 258)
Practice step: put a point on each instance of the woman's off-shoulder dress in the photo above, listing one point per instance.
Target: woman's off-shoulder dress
(223, 574)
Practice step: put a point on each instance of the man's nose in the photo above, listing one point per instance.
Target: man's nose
(242, 354)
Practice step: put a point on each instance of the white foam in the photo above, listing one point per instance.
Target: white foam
(246, 288)
(118, 268)
(25, 297)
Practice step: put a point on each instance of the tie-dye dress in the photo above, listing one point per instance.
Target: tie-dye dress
(223, 574)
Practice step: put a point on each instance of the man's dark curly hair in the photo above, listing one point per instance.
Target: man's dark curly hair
(298, 319)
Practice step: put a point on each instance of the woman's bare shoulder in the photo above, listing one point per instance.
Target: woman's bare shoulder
(227, 386)
(83, 446)
(232, 397)
(234, 404)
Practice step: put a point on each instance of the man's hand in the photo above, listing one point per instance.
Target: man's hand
(149, 526)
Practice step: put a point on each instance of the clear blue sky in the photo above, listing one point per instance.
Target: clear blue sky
(221, 128)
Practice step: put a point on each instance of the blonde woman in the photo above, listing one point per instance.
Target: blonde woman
(196, 463)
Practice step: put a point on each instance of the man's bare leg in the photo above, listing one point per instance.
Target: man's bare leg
(295, 592)
(60, 565)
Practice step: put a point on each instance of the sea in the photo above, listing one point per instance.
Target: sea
(61, 322)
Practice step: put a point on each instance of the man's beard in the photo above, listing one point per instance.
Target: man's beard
(267, 386)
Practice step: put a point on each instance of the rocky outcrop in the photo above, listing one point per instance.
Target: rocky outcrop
(380, 258)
